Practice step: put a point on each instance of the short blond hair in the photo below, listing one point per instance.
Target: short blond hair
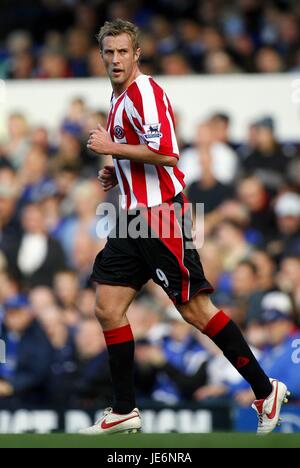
(117, 27)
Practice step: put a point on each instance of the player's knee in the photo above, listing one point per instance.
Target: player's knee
(106, 315)
(189, 316)
(101, 312)
(198, 312)
(195, 318)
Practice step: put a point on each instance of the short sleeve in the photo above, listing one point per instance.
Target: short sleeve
(151, 113)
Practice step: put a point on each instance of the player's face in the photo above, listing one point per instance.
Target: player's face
(120, 59)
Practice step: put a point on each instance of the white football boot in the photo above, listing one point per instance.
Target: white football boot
(113, 423)
(268, 410)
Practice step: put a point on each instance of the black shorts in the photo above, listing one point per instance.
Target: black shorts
(166, 256)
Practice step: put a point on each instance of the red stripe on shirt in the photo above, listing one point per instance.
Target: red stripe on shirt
(139, 185)
(166, 184)
(125, 184)
(135, 95)
(166, 143)
(109, 119)
(113, 116)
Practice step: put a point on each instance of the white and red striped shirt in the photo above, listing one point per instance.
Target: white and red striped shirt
(143, 115)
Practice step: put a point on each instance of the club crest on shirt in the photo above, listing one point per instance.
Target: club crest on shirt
(119, 132)
(152, 131)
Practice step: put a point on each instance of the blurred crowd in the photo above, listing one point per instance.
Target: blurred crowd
(56, 38)
(49, 237)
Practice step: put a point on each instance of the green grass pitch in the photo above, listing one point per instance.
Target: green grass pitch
(214, 440)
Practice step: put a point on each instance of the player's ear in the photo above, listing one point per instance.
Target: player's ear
(137, 55)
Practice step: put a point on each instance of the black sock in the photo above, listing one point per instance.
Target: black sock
(120, 346)
(228, 337)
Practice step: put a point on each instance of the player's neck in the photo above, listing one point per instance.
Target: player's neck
(120, 89)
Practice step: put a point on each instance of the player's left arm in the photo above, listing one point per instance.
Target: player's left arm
(100, 142)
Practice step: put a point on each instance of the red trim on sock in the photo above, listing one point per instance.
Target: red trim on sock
(118, 335)
(216, 324)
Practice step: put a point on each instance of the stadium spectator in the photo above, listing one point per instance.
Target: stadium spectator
(84, 201)
(95, 66)
(66, 288)
(267, 159)
(287, 210)
(71, 318)
(40, 138)
(266, 269)
(215, 37)
(250, 144)
(39, 256)
(9, 287)
(41, 298)
(146, 315)
(233, 246)
(289, 34)
(53, 64)
(293, 172)
(50, 203)
(218, 62)
(175, 64)
(175, 366)
(280, 334)
(244, 280)
(66, 177)
(289, 280)
(10, 228)
(21, 66)
(86, 303)
(268, 60)
(191, 43)
(161, 29)
(24, 379)
(149, 64)
(207, 145)
(83, 256)
(18, 139)
(93, 384)
(34, 175)
(220, 125)
(63, 359)
(254, 196)
(208, 188)
(245, 288)
(78, 43)
(69, 152)
(86, 18)
(212, 261)
(76, 115)
(19, 41)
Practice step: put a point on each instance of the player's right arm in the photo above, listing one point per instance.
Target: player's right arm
(100, 142)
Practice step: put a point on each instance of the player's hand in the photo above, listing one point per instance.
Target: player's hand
(6, 390)
(205, 137)
(100, 141)
(210, 391)
(245, 398)
(156, 356)
(107, 177)
(234, 210)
